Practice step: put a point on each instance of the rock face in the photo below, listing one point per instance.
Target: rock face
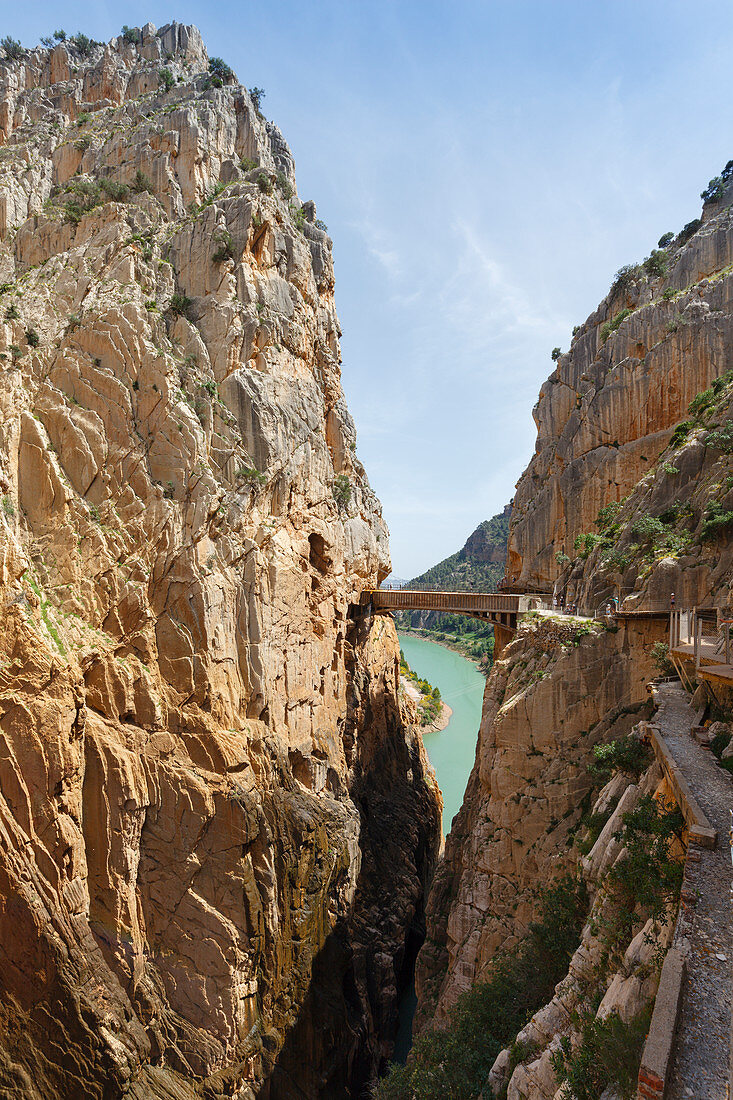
(205, 774)
(554, 694)
(631, 486)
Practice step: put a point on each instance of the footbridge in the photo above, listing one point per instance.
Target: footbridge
(501, 608)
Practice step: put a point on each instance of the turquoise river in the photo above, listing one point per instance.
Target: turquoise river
(451, 752)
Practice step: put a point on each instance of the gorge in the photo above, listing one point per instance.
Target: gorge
(220, 831)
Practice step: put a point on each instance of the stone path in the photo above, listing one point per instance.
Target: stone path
(704, 932)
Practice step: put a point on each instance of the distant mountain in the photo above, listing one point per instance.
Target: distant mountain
(478, 567)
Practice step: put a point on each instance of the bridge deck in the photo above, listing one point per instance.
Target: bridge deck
(482, 604)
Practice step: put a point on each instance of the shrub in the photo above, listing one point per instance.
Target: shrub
(721, 438)
(701, 403)
(32, 337)
(180, 305)
(319, 224)
(665, 240)
(624, 278)
(251, 475)
(219, 68)
(225, 251)
(668, 468)
(264, 183)
(83, 43)
(717, 745)
(59, 36)
(716, 521)
(649, 877)
(585, 544)
(656, 263)
(167, 79)
(82, 118)
(688, 231)
(453, 1062)
(627, 755)
(714, 190)
(681, 432)
(610, 326)
(282, 184)
(142, 183)
(247, 164)
(257, 95)
(607, 514)
(555, 354)
(130, 35)
(11, 313)
(13, 49)
(297, 213)
(16, 352)
(114, 190)
(668, 293)
(561, 559)
(8, 507)
(648, 528)
(342, 490)
(609, 1054)
(660, 656)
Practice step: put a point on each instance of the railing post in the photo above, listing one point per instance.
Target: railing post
(727, 643)
(698, 641)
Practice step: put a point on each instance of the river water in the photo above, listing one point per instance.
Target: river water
(451, 752)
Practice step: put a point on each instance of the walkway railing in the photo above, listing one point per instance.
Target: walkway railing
(703, 635)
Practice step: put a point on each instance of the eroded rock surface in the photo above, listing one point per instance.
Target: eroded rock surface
(212, 811)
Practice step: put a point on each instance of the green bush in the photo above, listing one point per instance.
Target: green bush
(130, 35)
(142, 183)
(114, 190)
(714, 190)
(342, 490)
(555, 354)
(721, 438)
(321, 225)
(649, 877)
(719, 743)
(251, 475)
(453, 1062)
(282, 184)
(83, 43)
(627, 755)
(11, 313)
(701, 403)
(297, 213)
(225, 250)
(668, 293)
(681, 432)
(585, 544)
(13, 49)
(607, 514)
(662, 661)
(656, 264)
(257, 95)
(167, 79)
(624, 278)
(688, 231)
(8, 507)
(180, 305)
(609, 1054)
(716, 521)
(32, 337)
(264, 183)
(665, 240)
(610, 326)
(247, 164)
(219, 68)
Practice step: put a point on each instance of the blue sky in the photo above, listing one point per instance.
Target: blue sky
(484, 168)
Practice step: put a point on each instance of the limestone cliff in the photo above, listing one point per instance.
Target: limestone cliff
(629, 494)
(216, 823)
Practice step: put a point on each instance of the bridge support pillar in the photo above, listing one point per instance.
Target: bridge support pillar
(502, 636)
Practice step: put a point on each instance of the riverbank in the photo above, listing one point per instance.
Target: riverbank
(446, 643)
(416, 695)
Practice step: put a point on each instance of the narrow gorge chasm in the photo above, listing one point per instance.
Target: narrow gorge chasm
(221, 854)
(625, 510)
(217, 819)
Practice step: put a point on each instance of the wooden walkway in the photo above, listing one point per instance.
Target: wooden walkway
(501, 608)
